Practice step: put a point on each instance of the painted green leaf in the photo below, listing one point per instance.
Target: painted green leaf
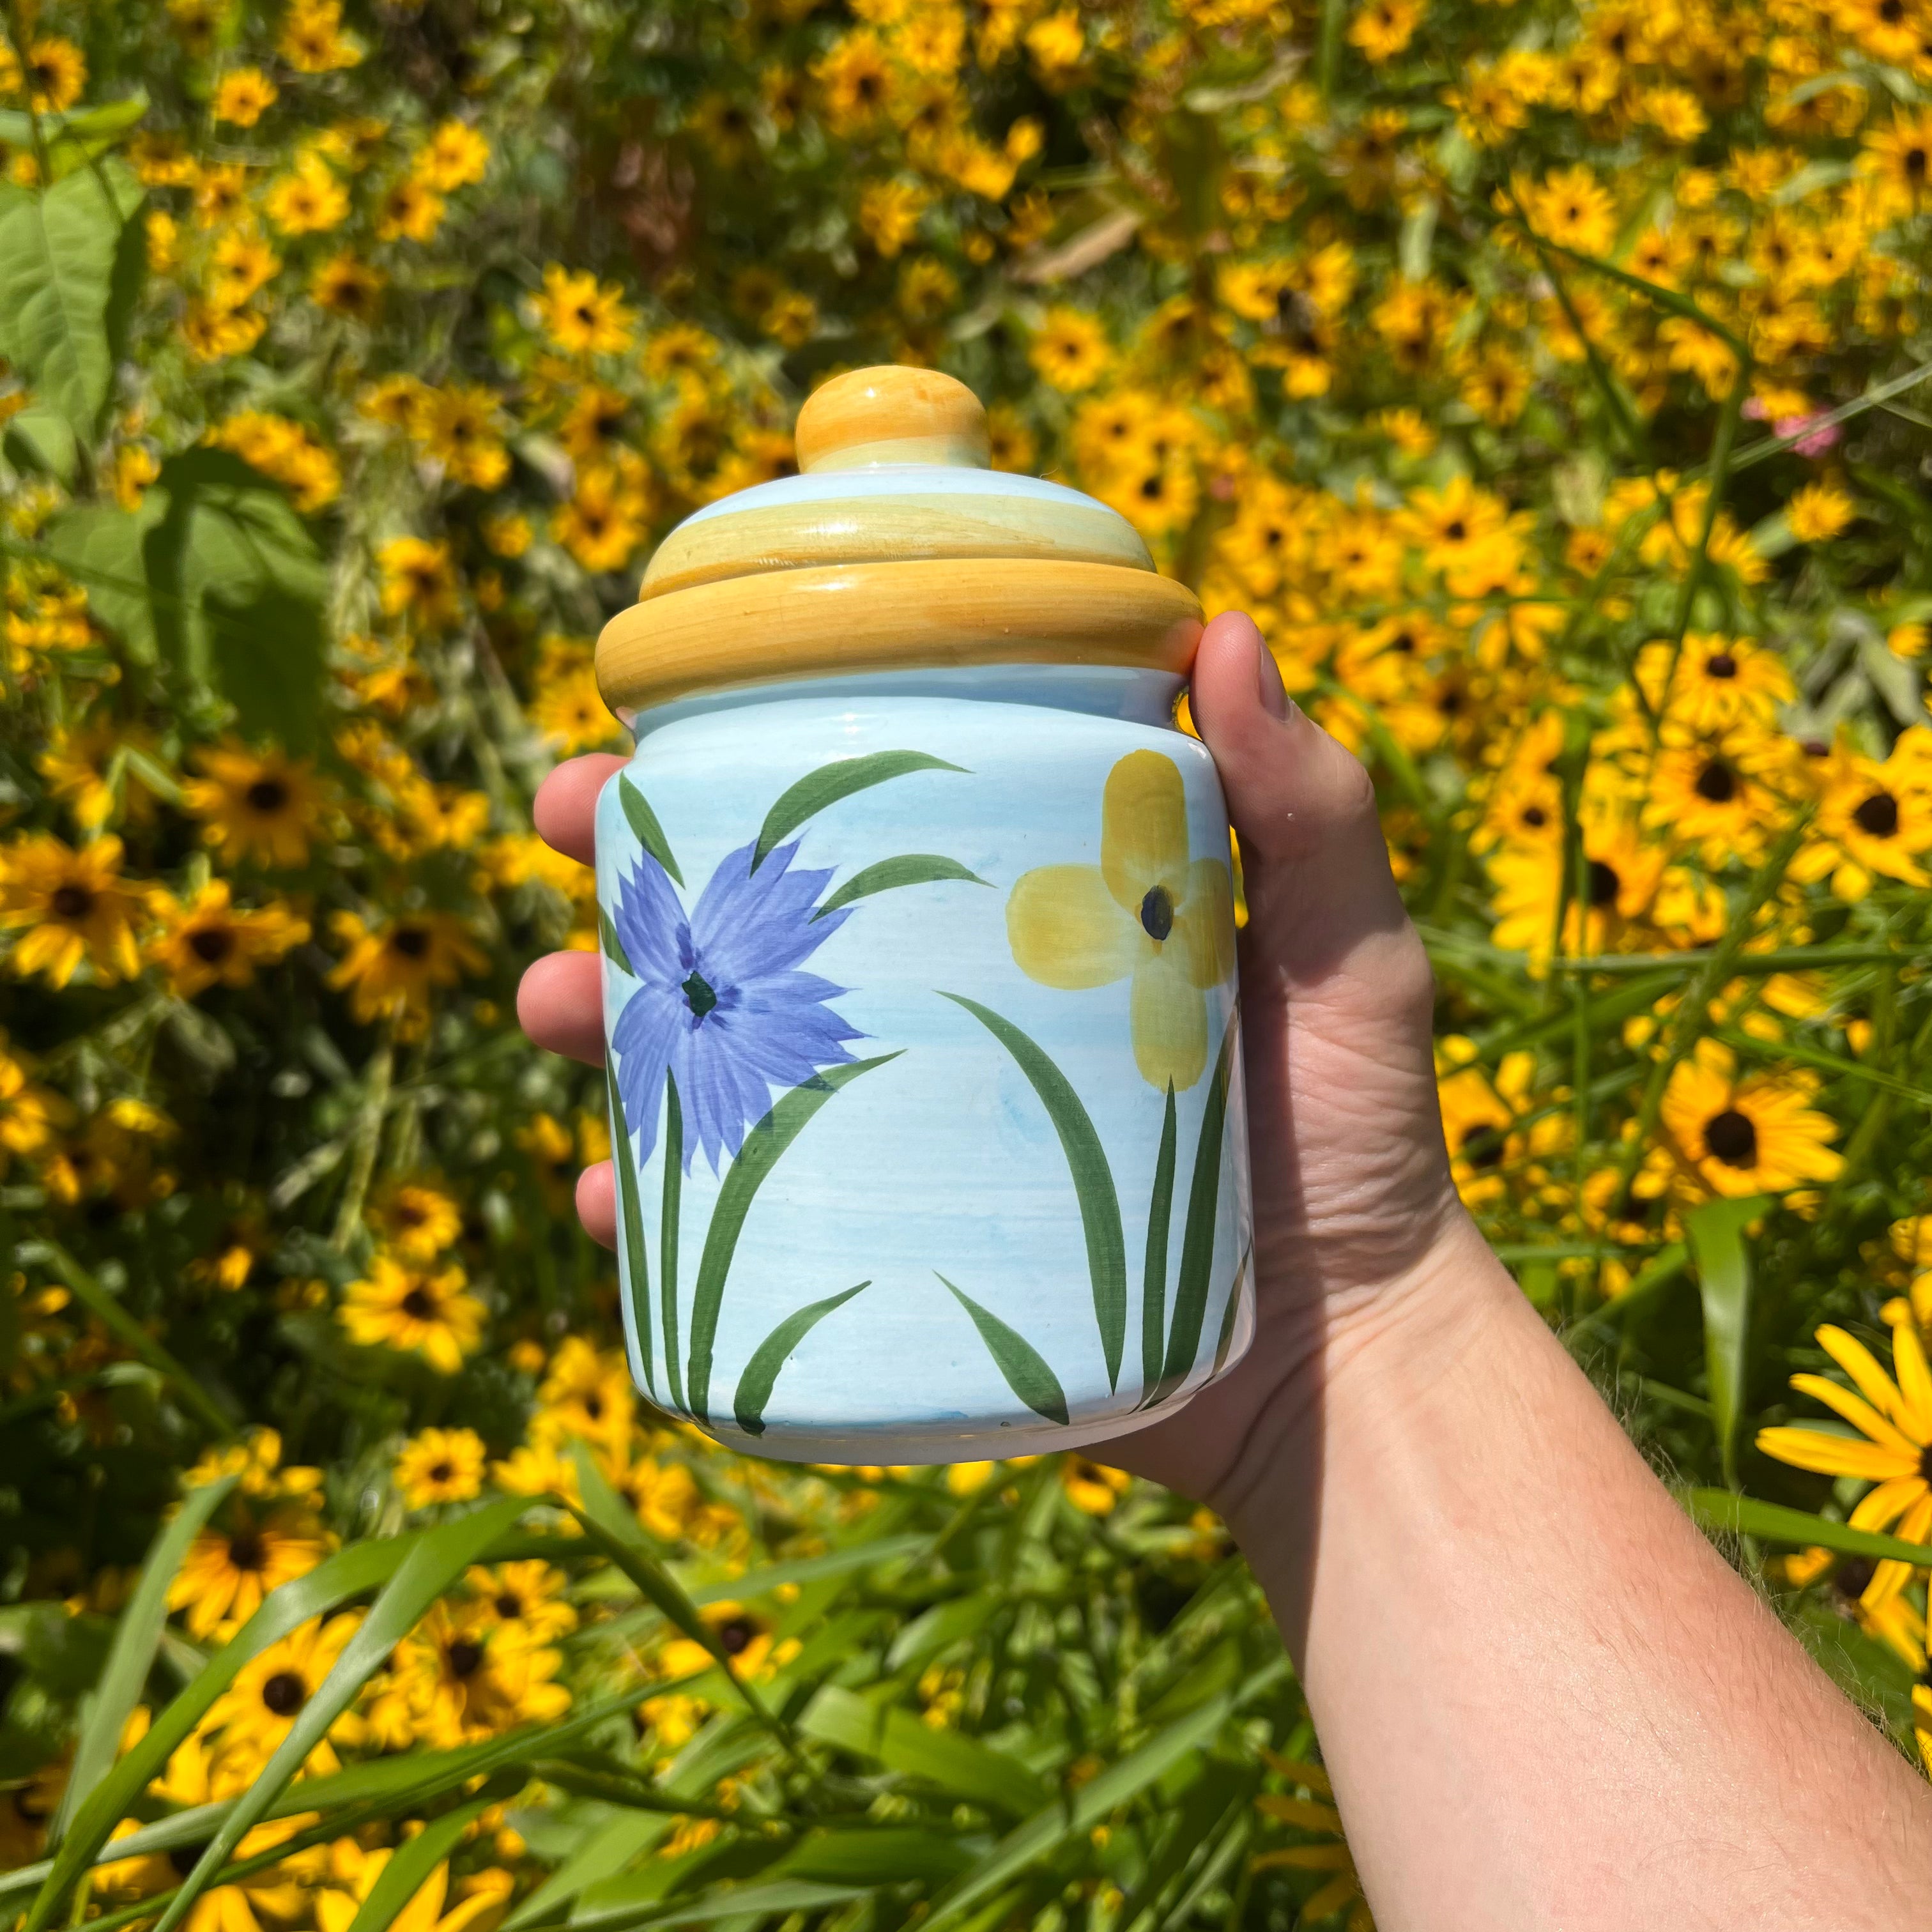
(914, 868)
(757, 1157)
(1717, 1240)
(670, 1215)
(435, 1562)
(1231, 1314)
(901, 1741)
(1153, 1271)
(644, 821)
(613, 945)
(1027, 1372)
(630, 1208)
(1092, 1179)
(1197, 1240)
(60, 263)
(830, 783)
(136, 1636)
(761, 1372)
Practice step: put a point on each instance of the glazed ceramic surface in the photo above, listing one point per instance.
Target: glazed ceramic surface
(918, 978)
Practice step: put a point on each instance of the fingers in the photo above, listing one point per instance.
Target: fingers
(560, 1005)
(597, 1203)
(566, 804)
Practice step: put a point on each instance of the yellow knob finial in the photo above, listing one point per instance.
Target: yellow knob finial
(891, 414)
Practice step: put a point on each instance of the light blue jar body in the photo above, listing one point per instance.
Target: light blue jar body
(886, 1194)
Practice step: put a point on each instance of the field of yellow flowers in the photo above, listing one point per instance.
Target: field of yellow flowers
(1550, 380)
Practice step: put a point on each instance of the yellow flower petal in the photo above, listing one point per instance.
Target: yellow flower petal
(1835, 1455)
(1170, 1023)
(1914, 1382)
(1860, 1415)
(1144, 830)
(1066, 931)
(1204, 925)
(1859, 1362)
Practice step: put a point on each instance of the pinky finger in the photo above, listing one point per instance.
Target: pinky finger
(597, 1203)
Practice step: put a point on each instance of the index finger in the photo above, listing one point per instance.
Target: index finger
(565, 807)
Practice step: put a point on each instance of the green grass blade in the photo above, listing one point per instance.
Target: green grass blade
(669, 1214)
(437, 1558)
(759, 1154)
(899, 1740)
(866, 1855)
(349, 1573)
(1028, 1373)
(135, 1638)
(1197, 1241)
(1717, 1240)
(829, 784)
(915, 868)
(1153, 1272)
(605, 1909)
(1092, 1179)
(613, 946)
(411, 1863)
(630, 1211)
(1745, 1515)
(761, 1372)
(602, 1856)
(644, 821)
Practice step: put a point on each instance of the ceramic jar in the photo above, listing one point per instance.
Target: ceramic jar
(918, 933)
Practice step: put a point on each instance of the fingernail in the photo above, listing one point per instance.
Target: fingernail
(1273, 692)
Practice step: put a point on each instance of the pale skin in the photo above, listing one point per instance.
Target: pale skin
(1544, 1699)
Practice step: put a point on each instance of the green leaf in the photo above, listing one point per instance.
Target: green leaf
(1092, 1179)
(41, 442)
(605, 1853)
(58, 256)
(135, 1638)
(1717, 1240)
(606, 1908)
(438, 1558)
(1027, 1371)
(1745, 1515)
(829, 784)
(670, 1217)
(761, 1372)
(1197, 1240)
(72, 140)
(102, 548)
(757, 1157)
(1154, 1271)
(349, 1573)
(869, 1855)
(630, 1208)
(613, 946)
(411, 1863)
(902, 1742)
(644, 821)
(914, 868)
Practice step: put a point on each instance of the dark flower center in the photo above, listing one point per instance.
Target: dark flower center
(1720, 663)
(441, 1472)
(507, 1605)
(699, 995)
(1157, 913)
(735, 1634)
(73, 902)
(1717, 782)
(1854, 1573)
(245, 1551)
(417, 1304)
(212, 944)
(267, 796)
(1482, 1146)
(411, 941)
(184, 1858)
(1878, 815)
(1534, 816)
(593, 1407)
(1604, 884)
(1732, 1137)
(285, 1693)
(1456, 531)
(464, 1656)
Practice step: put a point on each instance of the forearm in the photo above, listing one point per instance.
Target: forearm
(1543, 1699)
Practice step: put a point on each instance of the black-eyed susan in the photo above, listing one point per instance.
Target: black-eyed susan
(414, 1221)
(1316, 1817)
(29, 1112)
(1874, 818)
(1719, 680)
(255, 805)
(208, 940)
(258, 1709)
(1070, 349)
(390, 970)
(1857, 1591)
(418, 575)
(433, 1316)
(1093, 1488)
(1712, 793)
(345, 285)
(586, 1392)
(68, 906)
(307, 199)
(243, 95)
(312, 40)
(479, 1901)
(440, 1466)
(458, 428)
(1744, 1134)
(466, 1674)
(856, 82)
(1892, 1450)
(582, 316)
(1481, 1114)
(456, 155)
(531, 1594)
(55, 70)
(605, 523)
(409, 210)
(230, 1566)
(571, 713)
(1622, 870)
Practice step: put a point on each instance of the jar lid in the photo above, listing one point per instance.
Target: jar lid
(896, 547)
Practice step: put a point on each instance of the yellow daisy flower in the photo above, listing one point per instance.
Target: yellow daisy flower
(75, 905)
(432, 1316)
(255, 804)
(1756, 1134)
(440, 1466)
(228, 1571)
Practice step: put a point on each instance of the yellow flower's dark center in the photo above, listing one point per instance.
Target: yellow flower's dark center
(72, 902)
(508, 1605)
(1878, 815)
(1853, 1574)
(699, 995)
(1157, 914)
(411, 941)
(593, 1405)
(212, 944)
(1604, 884)
(464, 1656)
(1732, 1137)
(184, 1858)
(1720, 663)
(418, 1305)
(1925, 1463)
(442, 1472)
(1456, 531)
(1716, 782)
(1482, 1146)
(735, 1634)
(408, 1215)
(245, 1550)
(1535, 817)
(1917, 161)
(285, 1693)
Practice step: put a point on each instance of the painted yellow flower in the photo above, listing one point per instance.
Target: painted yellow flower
(1147, 910)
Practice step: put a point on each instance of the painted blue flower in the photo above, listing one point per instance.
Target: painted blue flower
(721, 1003)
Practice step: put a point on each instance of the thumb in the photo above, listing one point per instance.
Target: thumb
(1313, 860)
